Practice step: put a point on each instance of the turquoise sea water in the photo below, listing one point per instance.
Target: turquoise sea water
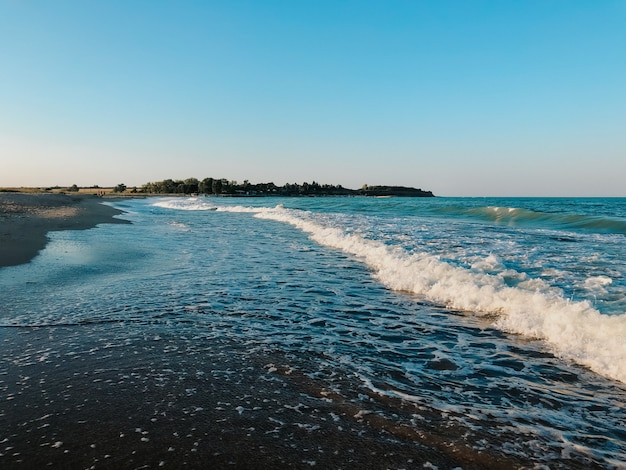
(506, 316)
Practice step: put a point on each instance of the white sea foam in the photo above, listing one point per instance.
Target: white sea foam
(178, 225)
(186, 204)
(203, 204)
(597, 283)
(575, 330)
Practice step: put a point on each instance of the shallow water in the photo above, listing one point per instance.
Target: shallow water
(501, 318)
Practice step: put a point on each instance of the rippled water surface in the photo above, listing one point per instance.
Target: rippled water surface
(503, 317)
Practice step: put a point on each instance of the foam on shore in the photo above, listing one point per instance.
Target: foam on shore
(575, 330)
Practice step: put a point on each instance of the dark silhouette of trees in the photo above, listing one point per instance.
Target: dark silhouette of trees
(190, 186)
(217, 186)
(224, 187)
(206, 186)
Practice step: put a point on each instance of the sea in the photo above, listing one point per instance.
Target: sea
(474, 326)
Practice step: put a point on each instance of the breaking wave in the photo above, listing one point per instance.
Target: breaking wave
(575, 330)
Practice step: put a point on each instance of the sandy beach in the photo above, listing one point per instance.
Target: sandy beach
(25, 219)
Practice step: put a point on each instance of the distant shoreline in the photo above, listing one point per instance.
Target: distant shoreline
(28, 214)
(26, 219)
(224, 187)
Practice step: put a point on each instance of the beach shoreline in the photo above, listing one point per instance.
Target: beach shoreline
(26, 219)
(211, 404)
(250, 409)
(186, 340)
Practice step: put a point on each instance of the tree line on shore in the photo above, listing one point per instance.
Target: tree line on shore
(224, 187)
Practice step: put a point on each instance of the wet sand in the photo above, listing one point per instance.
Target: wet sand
(26, 218)
(134, 396)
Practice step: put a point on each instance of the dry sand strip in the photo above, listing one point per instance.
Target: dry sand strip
(25, 219)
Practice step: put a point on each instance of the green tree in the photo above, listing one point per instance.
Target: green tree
(191, 185)
(217, 186)
(206, 186)
(167, 186)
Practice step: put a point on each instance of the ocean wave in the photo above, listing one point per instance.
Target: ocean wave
(186, 204)
(514, 216)
(199, 204)
(574, 330)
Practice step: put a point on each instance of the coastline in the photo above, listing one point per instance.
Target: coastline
(26, 219)
(215, 404)
(140, 370)
(250, 409)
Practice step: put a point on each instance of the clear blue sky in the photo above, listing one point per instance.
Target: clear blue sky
(468, 98)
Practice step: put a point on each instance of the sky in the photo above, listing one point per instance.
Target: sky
(463, 98)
